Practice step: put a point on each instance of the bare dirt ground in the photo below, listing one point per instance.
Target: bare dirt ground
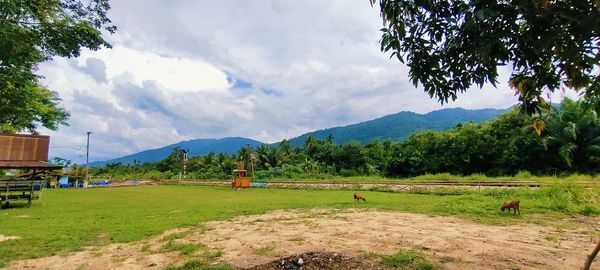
(450, 242)
(7, 237)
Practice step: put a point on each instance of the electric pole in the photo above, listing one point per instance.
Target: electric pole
(87, 158)
(185, 160)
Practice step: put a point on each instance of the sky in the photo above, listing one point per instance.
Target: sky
(266, 70)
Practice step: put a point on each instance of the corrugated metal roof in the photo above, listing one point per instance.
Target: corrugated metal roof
(23, 147)
(27, 164)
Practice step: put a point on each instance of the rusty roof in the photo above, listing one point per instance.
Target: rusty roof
(28, 164)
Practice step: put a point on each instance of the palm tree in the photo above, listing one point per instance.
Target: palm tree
(268, 157)
(573, 132)
(309, 165)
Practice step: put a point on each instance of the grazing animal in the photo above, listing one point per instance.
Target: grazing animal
(511, 204)
(357, 197)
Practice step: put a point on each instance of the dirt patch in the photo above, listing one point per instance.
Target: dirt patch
(258, 240)
(317, 261)
(114, 256)
(6, 237)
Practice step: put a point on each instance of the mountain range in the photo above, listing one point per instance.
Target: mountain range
(390, 127)
(400, 126)
(197, 147)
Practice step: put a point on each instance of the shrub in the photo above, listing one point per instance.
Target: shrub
(523, 175)
(589, 210)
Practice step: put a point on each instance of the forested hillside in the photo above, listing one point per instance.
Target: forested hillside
(391, 127)
(400, 125)
(503, 146)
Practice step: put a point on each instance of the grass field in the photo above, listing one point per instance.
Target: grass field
(67, 220)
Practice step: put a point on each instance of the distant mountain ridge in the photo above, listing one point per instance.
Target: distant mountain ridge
(400, 125)
(197, 147)
(396, 127)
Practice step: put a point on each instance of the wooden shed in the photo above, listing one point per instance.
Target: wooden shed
(23, 152)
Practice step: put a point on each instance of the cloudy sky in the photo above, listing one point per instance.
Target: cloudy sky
(266, 70)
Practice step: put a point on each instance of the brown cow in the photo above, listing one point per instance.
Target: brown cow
(511, 204)
(357, 197)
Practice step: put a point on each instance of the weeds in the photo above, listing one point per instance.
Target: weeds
(186, 249)
(408, 259)
(298, 239)
(552, 238)
(198, 265)
(266, 250)
(177, 235)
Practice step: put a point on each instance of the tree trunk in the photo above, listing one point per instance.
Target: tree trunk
(590, 258)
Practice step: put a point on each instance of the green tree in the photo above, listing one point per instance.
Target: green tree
(22, 109)
(267, 157)
(517, 146)
(33, 31)
(574, 134)
(451, 45)
(173, 162)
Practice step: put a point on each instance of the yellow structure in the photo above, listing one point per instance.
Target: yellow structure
(240, 177)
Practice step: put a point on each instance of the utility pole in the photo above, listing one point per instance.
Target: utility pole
(185, 160)
(252, 158)
(87, 158)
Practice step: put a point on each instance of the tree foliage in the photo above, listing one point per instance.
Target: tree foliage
(450, 45)
(33, 31)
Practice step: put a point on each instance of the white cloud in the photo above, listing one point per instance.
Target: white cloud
(174, 73)
(293, 67)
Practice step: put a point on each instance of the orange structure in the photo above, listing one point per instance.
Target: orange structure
(240, 177)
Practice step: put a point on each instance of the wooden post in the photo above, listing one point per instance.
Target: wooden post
(588, 262)
(30, 194)
(7, 190)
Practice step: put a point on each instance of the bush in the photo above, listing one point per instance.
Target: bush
(155, 175)
(349, 173)
(578, 177)
(477, 177)
(590, 210)
(523, 175)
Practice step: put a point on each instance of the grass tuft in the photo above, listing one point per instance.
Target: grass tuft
(198, 265)
(186, 249)
(408, 259)
(266, 250)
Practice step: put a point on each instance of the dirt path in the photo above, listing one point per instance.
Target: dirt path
(7, 237)
(252, 240)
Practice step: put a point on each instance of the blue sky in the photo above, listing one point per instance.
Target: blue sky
(265, 70)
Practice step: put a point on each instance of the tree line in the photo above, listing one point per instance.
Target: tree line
(570, 143)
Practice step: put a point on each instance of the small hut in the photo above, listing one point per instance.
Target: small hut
(26, 153)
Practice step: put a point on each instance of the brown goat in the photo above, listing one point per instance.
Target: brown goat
(511, 204)
(357, 197)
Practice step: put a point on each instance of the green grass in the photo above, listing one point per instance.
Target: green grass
(266, 250)
(68, 220)
(199, 265)
(186, 249)
(408, 259)
(177, 235)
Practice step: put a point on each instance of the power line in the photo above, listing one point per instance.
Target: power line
(67, 146)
